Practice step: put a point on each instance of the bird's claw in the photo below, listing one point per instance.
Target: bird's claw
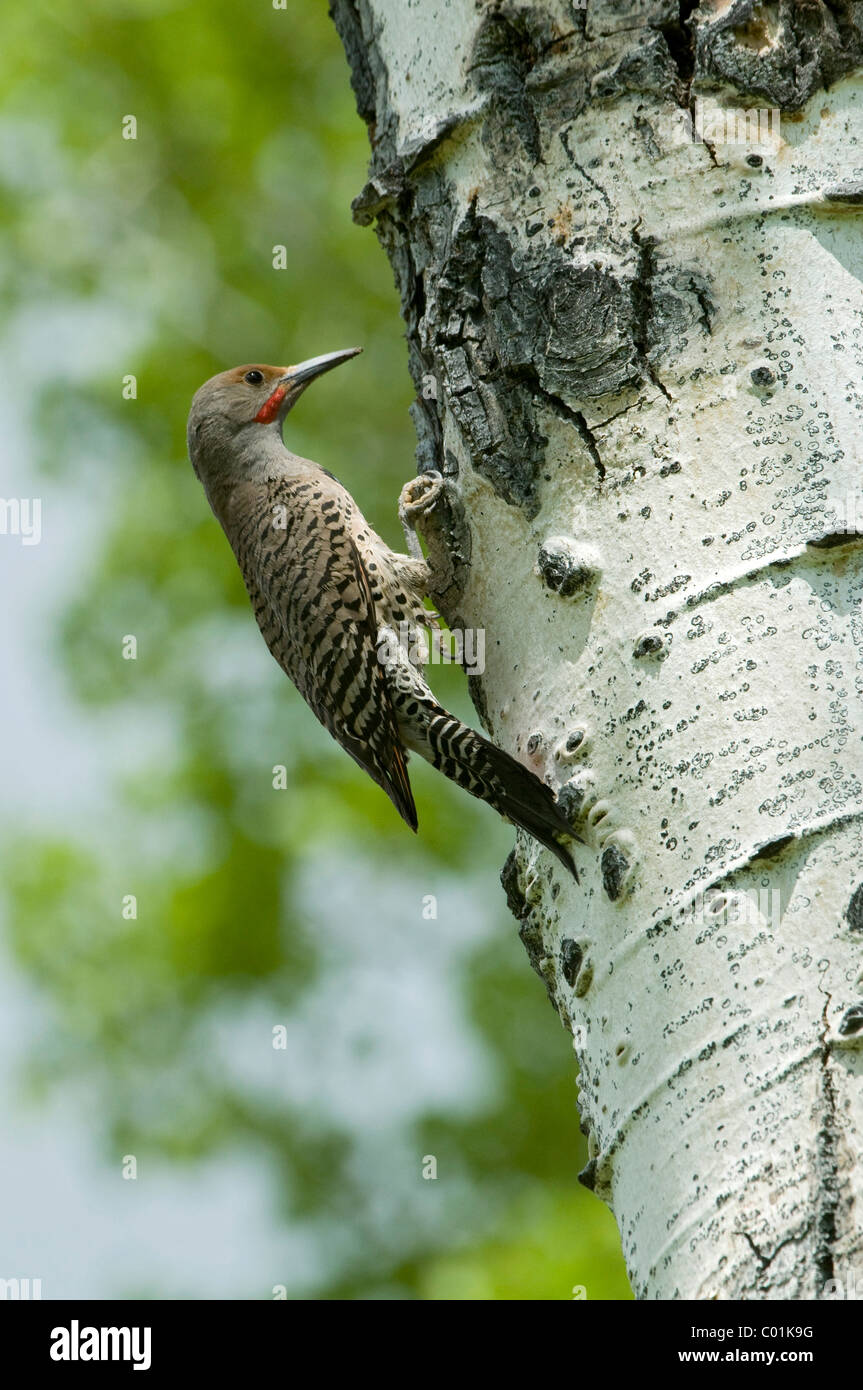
(419, 496)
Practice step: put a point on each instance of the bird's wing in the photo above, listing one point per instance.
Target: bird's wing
(313, 603)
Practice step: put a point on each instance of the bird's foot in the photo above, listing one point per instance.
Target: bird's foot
(417, 498)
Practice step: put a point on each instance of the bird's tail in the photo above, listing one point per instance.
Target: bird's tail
(494, 776)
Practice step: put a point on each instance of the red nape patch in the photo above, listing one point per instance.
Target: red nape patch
(270, 409)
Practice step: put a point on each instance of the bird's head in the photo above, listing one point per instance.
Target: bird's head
(232, 411)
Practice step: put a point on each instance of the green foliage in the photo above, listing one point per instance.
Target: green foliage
(153, 257)
(556, 1247)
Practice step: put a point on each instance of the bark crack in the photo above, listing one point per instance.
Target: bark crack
(826, 1162)
(642, 297)
(603, 424)
(575, 418)
(680, 39)
(766, 1260)
(564, 140)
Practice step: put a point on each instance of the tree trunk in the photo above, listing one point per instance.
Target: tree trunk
(627, 239)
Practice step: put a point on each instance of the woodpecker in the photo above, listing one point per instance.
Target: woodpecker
(329, 595)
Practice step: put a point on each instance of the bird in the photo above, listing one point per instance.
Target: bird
(333, 602)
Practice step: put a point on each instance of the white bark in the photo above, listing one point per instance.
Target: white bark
(641, 360)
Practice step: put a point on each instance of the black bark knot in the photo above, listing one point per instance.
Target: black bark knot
(852, 1021)
(560, 568)
(854, 910)
(571, 956)
(615, 865)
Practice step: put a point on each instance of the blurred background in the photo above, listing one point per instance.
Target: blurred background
(242, 995)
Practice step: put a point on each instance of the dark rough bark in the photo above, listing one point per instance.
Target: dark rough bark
(522, 328)
(817, 44)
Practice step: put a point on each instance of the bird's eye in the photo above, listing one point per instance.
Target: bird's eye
(254, 378)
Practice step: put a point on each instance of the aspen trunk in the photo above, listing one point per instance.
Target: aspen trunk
(627, 238)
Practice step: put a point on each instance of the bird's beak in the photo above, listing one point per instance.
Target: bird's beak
(306, 371)
(291, 386)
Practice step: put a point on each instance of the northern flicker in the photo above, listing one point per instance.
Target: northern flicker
(325, 590)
